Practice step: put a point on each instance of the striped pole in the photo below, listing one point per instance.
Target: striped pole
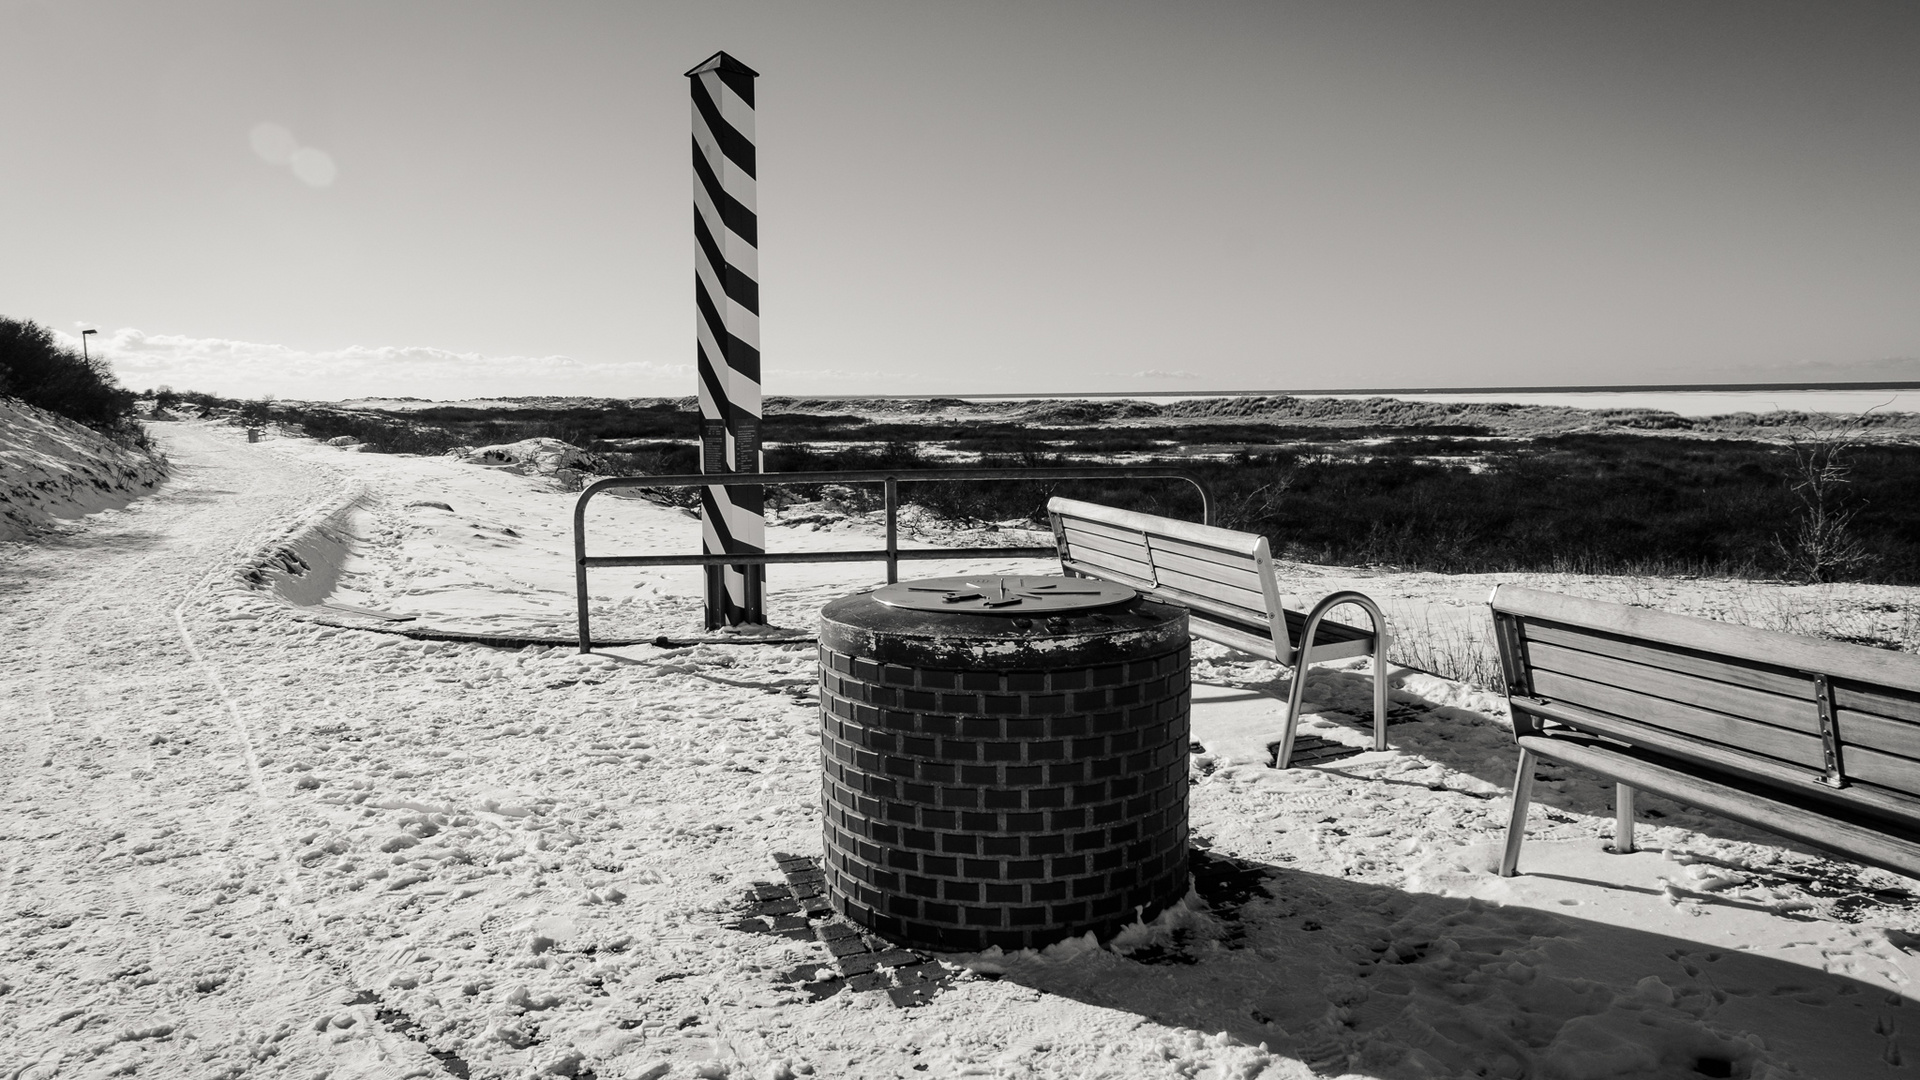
(726, 290)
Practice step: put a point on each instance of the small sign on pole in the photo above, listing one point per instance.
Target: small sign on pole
(727, 295)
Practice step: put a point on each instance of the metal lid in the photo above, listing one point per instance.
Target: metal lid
(1003, 594)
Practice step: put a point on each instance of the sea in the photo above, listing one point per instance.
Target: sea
(1718, 402)
(1697, 402)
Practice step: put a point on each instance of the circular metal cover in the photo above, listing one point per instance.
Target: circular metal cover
(1003, 594)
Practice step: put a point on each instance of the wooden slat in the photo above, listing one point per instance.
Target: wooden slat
(1329, 631)
(1799, 715)
(1878, 702)
(1872, 799)
(1232, 637)
(1204, 626)
(1875, 767)
(1099, 547)
(1209, 535)
(1240, 575)
(1096, 548)
(1895, 737)
(1081, 566)
(1757, 678)
(1661, 740)
(1242, 555)
(1701, 726)
(1253, 604)
(1859, 841)
(1338, 650)
(1857, 662)
(1078, 526)
(1228, 612)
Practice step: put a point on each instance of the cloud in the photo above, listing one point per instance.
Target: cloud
(790, 376)
(1150, 373)
(250, 369)
(276, 146)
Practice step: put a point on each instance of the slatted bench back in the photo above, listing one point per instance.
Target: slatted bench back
(1224, 578)
(1836, 722)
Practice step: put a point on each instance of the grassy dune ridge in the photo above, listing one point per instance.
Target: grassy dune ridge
(1443, 486)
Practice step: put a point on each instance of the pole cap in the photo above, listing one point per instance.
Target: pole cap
(724, 63)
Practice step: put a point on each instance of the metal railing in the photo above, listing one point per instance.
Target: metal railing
(893, 554)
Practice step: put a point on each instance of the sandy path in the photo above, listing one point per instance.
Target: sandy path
(145, 869)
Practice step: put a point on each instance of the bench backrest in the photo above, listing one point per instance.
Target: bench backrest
(1224, 578)
(1813, 715)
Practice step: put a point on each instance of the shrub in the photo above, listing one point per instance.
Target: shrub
(40, 372)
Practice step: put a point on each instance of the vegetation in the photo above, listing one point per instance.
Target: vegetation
(1579, 503)
(38, 370)
(1450, 489)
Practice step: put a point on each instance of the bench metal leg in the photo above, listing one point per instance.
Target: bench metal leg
(1304, 649)
(1622, 819)
(1284, 758)
(1379, 682)
(1517, 822)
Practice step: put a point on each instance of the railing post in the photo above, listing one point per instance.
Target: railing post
(893, 529)
(580, 566)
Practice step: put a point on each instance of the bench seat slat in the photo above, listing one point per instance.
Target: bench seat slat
(1756, 677)
(1330, 632)
(1867, 842)
(1235, 638)
(1703, 727)
(1801, 715)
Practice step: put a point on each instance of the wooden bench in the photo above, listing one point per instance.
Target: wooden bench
(1812, 739)
(1225, 581)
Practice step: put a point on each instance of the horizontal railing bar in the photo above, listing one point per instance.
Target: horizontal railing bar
(774, 558)
(875, 476)
(891, 554)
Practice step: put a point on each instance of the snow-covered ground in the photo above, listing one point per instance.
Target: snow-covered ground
(236, 840)
(51, 467)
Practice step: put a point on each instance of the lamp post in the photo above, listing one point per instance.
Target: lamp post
(83, 345)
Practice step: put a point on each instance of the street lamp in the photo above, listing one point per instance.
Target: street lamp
(83, 344)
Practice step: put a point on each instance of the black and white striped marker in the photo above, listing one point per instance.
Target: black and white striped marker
(727, 292)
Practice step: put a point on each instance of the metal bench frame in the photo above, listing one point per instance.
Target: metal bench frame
(1811, 739)
(1225, 580)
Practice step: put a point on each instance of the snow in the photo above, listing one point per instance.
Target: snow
(240, 836)
(51, 467)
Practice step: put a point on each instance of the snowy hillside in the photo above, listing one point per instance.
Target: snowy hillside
(248, 827)
(51, 467)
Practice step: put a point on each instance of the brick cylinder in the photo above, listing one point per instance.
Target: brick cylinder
(990, 779)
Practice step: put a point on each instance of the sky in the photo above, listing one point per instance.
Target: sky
(450, 198)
